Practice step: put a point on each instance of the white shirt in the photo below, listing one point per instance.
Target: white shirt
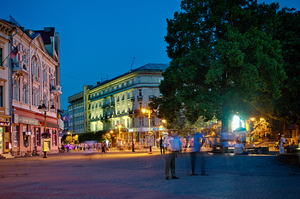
(238, 148)
(175, 144)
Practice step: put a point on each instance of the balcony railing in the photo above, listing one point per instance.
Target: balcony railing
(151, 97)
(20, 68)
(132, 99)
(140, 98)
(55, 89)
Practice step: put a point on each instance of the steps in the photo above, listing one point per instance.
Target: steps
(6, 156)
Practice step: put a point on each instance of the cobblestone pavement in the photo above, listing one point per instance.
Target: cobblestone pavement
(141, 175)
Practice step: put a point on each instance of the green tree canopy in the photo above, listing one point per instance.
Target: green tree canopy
(287, 107)
(222, 58)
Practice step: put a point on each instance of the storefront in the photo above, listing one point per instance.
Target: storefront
(27, 134)
(5, 141)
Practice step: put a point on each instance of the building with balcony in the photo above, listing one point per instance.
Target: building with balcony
(34, 70)
(6, 31)
(119, 102)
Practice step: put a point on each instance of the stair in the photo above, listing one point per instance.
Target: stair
(6, 156)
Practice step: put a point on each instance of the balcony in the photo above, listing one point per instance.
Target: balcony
(112, 104)
(20, 68)
(151, 97)
(140, 98)
(55, 89)
(132, 99)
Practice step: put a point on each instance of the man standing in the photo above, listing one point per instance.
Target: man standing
(175, 146)
(161, 145)
(196, 148)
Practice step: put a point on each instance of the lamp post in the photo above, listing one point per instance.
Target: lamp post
(45, 109)
(119, 127)
(148, 111)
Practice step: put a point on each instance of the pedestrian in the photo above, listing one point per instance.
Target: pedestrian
(198, 142)
(175, 147)
(103, 147)
(283, 139)
(68, 147)
(161, 144)
(281, 147)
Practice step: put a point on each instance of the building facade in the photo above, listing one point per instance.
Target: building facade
(6, 32)
(115, 105)
(33, 69)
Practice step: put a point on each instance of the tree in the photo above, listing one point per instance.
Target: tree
(222, 57)
(261, 129)
(287, 107)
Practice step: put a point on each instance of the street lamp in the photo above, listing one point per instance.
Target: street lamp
(148, 111)
(44, 108)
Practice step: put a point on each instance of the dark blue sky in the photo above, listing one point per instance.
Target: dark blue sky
(102, 36)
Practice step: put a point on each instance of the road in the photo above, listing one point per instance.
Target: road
(141, 175)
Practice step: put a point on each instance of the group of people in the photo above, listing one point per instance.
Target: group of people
(174, 144)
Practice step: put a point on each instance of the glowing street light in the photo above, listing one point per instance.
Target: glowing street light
(46, 135)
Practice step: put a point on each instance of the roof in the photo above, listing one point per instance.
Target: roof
(46, 34)
(148, 67)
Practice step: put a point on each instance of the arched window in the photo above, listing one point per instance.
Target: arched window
(25, 93)
(45, 75)
(35, 66)
(16, 89)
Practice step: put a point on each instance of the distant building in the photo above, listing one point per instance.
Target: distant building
(119, 101)
(33, 66)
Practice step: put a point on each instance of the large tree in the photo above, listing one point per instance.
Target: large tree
(222, 56)
(287, 107)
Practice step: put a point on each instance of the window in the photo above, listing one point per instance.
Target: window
(153, 121)
(150, 79)
(15, 136)
(139, 79)
(1, 96)
(45, 75)
(141, 105)
(16, 89)
(141, 119)
(150, 91)
(38, 138)
(140, 92)
(25, 93)
(54, 138)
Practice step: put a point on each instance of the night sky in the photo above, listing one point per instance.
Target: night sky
(98, 39)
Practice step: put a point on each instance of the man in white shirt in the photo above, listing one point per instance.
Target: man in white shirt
(239, 148)
(175, 147)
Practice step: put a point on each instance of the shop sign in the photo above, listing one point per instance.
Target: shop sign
(156, 129)
(130, 130)
(4, 123)
(24, 120)
(49, 125)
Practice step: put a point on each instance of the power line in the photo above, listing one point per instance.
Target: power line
(76, 78)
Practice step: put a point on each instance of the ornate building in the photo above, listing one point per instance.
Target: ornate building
(34, 67)
(115, 105)
(6, 31)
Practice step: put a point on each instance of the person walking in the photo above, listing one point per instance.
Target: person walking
(281, 147)
(174, 146)
(161, 145)
(198, 142)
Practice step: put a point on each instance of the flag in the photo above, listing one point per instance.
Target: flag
(14, 53)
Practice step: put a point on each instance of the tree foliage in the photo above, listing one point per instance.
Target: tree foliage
(222, 58)
(287, 107)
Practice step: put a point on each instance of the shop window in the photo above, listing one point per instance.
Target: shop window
(15, 136)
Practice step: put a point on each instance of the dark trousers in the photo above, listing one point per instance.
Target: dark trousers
(193, 161)
(162, 150)
(170, 163)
